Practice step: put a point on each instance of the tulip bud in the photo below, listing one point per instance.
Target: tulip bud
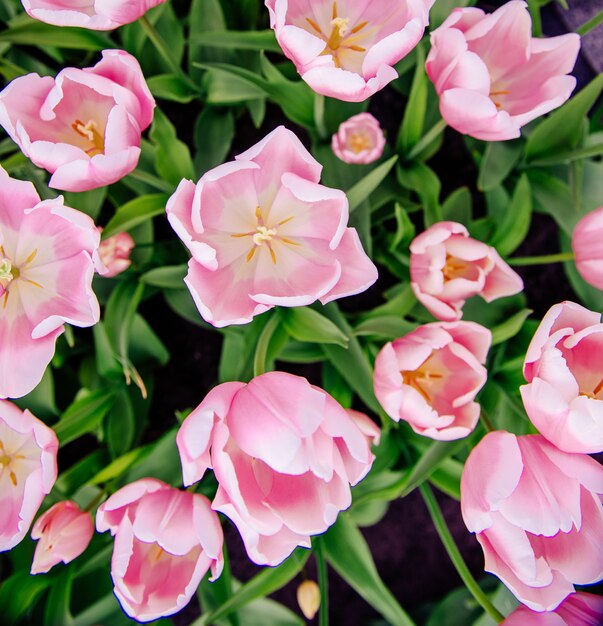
(64, 532)
(586, 244)
(115, 253)
(308, 598)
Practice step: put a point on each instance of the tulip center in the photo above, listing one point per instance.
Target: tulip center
(264, 235)
(454, 268)
(341, 37)
(358, 142)
(89, 131)
(5, 464)
(422, 379)
(10, 273)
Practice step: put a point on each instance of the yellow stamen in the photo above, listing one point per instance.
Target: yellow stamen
(335, 9)
(357, 48)
(33, 282)
(273, 256)
(31, 257)
(250, 254)
(287, 240)
(90, 132)
(315, 26)
(358, 27)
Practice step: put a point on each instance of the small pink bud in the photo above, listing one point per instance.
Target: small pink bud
(115, 253)
(64, 532)
(586, 244)
(359, 140)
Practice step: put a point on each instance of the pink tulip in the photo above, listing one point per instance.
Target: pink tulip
(114, 253)
(586, 244)
(46, 268)
(430, 377)
(492, 76)
(264, 233)
(165, 541)
(28, 470)
(284, 453)
(83, 126)
(537, 514)
(578, 609)
(564, 369)
(359, 139)
(347, 49)
(93, 14)
(447, 267)
(64, 532)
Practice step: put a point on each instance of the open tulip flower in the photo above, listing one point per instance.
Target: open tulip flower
(47, 253)
(285, 454)
(93, 14)
(83, 126)
(28, 470)
(537, 514)
(431, 376)
(263, 232)
(492, 76)
(578, 609)
(165, 542)
(564, 370)
(346, 49)
(63, 533)
(447, 267)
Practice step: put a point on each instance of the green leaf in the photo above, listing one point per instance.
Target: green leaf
(513, 228)
(411, 129)
(107, 362)
(562, 130)
(423, 180)
(171, 87)
(119, 313)
(135, 212)
(447, 478)
(89, 202)
(19, 594)
(500, 157)
(363, 188)
(269, 580)
(172, 159)
(57, 605)
(347, 552)
(552, 195)
(305, 324)
(41, 35)
(170, 277)
(214, 132)
(119, 466)
(205, 16)
(510, 327)
(240, 40)
(458, 206)
(120, 425)
(84, 415)
(226, 88)
(388, 327)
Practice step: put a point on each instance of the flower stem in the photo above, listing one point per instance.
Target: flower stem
(455, 556)
(319, 115)
(165, 53)
(261, 350)
(592, 23)
(323, 583)
(433, 133)
(542, 260)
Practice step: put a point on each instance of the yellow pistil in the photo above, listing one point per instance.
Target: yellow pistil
(453, 267)
(358, 142)
(9, 273)
(90, 132)
(263, 234)
(420, 380)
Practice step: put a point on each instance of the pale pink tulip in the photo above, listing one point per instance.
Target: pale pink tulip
(93, 14)
(578, 609)
(586, 244)
(28, 470)
(447, 267)
(430, 377)
(114, 253)
(264, 233)
(359, 139)
(64, 532)
(165, 542)
(537, 514)
(346, 49)
(284, 453)
(564, 369)
(83, 126)
(492, 76)
(46, 269)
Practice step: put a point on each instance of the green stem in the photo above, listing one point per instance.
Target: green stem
(590, 25)
(152, 181)
(323, 583)
(261, 350)
(545, 259)
(433, 133)
(165, 53)
(486, 420)
(319, 115)
(534, 8)
(455, 556)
